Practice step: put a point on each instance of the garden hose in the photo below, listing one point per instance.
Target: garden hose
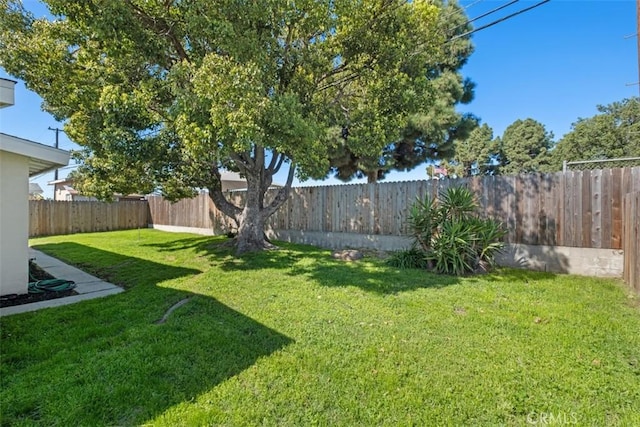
(54, 285)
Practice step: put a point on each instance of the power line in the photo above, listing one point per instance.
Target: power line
(463, 8)
(497, 21)
(486, 14)
(453, 12)
(471, 4)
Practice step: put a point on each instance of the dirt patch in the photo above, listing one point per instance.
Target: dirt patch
(36, 273)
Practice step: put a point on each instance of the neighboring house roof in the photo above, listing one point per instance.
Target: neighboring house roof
(235, 182)
(61, 182)
(231, 177)
(42, 158)
(66, 185)
(34, 188)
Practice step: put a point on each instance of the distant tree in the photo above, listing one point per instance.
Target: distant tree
(478, 153)
(613, 133)
(165, 94)
(524, 148)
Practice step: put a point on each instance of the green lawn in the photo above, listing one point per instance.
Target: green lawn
(293, 337)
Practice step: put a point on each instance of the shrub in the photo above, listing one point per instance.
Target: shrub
(410, 258)
(424, 219)
(489, 233)
(449, 236)
(453, 248)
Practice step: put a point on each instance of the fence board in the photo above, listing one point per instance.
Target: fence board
(616, 208)
(595, 199)
(589, 209)
(569, 191)
(631, 240)
(606, 219)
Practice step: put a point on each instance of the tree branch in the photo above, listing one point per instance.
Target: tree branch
(338, 82)
(272, 163)
(221, 202)
(161, 27)
(240, 159)
(280, 161)
(337, 70)
(282, 195)
(259, 155)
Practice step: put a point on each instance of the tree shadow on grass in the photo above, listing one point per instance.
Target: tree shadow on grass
(119, 269)
(369, 274)
(108, 361)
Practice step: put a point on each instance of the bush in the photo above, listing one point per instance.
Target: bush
(449, 236)
(453, 248)
(410, 258)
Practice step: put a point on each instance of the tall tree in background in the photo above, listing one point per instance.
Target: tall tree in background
(164, 94)
(429, 133)
(613, 133)
(477, 154)
(525, 146)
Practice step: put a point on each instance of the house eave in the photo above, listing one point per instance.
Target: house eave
(42, 158)
(7, 92)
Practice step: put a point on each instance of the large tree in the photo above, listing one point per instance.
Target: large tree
(163, 94)
(525, 146)
(613, 133)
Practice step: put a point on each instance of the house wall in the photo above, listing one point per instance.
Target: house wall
(233, 185)
(14, 223)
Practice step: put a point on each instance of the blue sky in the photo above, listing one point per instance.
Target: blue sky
(554, 64)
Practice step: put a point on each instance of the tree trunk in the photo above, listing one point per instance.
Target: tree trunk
(372, 176)
(251, 235)
(251, 218)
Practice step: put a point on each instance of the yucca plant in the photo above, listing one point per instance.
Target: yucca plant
(450, 235)
(489, 243)
(423, 221)
(453, 250)
(457, 203)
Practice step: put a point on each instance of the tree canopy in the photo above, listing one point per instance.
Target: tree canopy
(164, 94)
(614, 133)
(524, 147)
(477, 154)
(430, 132)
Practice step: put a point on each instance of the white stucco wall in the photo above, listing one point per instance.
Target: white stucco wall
(14, 223)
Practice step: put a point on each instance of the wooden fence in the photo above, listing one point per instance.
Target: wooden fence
(576, 208)
(631, 239)
(48, 217)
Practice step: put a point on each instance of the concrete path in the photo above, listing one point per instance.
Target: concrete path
(87, 286)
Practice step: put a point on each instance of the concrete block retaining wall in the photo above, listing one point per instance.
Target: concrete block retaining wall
(554, 259)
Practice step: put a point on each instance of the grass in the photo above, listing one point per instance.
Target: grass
(293, 337)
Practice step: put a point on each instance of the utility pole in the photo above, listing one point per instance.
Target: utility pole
(57, 131)
(638, 38)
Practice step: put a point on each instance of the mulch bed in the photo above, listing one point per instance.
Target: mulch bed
(38, 274)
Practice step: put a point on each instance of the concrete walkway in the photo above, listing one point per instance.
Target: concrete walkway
(87, 286)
